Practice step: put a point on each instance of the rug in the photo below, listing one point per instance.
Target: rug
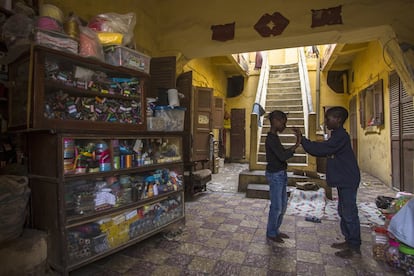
(306, 203)
(315, 203)
(368, 213)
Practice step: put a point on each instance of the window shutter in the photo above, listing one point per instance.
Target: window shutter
(378, 104)
(218, 114)
(362, 108)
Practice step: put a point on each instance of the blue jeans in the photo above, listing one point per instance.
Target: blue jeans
(348, 212)
(278, 201)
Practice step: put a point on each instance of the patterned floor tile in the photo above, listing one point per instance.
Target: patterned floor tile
(225, 234)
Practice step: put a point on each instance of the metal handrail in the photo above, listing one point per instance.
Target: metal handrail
(260, 102)
(305, 88)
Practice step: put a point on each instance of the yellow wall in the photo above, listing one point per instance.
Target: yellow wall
(246, 101)
(374, 149)
(206, 74)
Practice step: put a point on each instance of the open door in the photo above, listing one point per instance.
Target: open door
(202, 123)
(198, 118)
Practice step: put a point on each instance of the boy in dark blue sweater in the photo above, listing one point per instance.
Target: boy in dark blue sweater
(342, 172)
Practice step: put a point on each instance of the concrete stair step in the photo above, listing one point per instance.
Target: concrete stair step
(278, 90)
(257, 191)
(257, 177)
(282, 95)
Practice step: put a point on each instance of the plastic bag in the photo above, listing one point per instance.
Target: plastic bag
(14, 195)
(115, 23)
(402, 224)
(17, 30)
(89, 45)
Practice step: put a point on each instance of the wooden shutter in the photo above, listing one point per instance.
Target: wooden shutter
(185, 86)
(378, 103)
(394, 87)
(162, 71)
(362, 108)
(218, 113)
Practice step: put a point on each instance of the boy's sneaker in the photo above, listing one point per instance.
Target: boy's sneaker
(348, 253)
(276, 239)
(283, 235)
(340, 245)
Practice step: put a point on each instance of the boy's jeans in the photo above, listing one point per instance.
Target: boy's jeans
(278, 201)
(348, 212)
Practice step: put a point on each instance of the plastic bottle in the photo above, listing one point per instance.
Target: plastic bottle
(379, 243)
(116, 159)
(155, 188)
(392, 254)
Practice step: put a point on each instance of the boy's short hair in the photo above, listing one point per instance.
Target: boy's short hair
(338, 112)
(277, 114)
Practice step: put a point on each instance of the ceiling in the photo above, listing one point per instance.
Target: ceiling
(340, 56)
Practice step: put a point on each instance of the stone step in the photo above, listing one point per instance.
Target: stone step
(258, 191)
(261, 191)
(284, 95)
(258, 177)
(297, 158)
(293, 110)
(286, 84)
(278, 90)
(283, 102)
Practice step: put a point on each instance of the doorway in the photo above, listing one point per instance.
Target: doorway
(238, 134)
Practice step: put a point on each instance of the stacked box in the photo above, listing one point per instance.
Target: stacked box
(173, 117)
(155, 124)
(126, 57)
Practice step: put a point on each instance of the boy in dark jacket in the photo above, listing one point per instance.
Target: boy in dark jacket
(276, 157)
(342, 172)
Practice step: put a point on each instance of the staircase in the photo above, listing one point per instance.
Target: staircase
(284, 93)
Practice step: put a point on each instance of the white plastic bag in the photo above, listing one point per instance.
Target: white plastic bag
(402, 224)
(115, 23)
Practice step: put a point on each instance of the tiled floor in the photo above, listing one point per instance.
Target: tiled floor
(224, 234)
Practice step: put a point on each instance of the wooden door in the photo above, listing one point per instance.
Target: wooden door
(402, 135)
(202, 123)
(238, 134)
(185, 87)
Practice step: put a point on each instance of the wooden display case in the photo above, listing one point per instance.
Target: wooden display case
(92, 203)
(64, 91)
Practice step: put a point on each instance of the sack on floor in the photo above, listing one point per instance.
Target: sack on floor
(307, 186)
(14, 195)
(383, 202)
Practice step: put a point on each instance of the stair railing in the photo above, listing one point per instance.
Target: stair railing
(256, 122)
(305, 88)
